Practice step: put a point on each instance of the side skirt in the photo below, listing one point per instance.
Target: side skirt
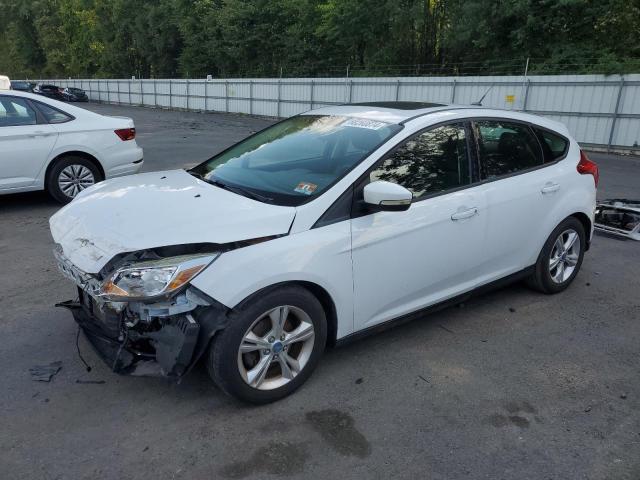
(394, 322)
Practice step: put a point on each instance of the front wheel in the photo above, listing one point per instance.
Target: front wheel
(271, 346)
(560, 258)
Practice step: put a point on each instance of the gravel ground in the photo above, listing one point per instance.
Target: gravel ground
(512, 385)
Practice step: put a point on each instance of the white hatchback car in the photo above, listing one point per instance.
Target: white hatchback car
(318, 229)
(47, 144)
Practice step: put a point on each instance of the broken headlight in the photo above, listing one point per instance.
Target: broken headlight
(149, 279)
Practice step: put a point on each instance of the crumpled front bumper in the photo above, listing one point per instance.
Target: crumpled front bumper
(170, 350)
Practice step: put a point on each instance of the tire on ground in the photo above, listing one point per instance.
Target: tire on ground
(222, 358)
(541, 279)
(51, 182)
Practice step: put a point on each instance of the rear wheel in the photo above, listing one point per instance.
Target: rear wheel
(270, 347)
(560, 258)
(69, 176)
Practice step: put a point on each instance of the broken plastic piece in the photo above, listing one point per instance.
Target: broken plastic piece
(44, 373)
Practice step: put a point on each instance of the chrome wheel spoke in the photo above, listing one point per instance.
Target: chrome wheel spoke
(251, 342)
(572, 260)
(287, 371)
(554, 262)
(300, 334)
(278, 318)
(570, 241)
(256, 375)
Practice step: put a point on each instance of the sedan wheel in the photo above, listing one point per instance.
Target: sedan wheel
(69, 176)
(271, 345)
(560, 258)
(75, 178)
(564, 256)
(276, 347)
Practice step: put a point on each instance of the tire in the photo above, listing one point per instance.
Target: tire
(77, 172)
(548, 278)
(232, 371)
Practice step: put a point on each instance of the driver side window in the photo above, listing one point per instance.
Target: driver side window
(430, 162)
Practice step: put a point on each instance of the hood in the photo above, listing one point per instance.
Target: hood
(158, 209)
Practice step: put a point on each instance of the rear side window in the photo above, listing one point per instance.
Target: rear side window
(15, 112)
(433, 161)
(53, 115)
(553, 146)
(506, 148)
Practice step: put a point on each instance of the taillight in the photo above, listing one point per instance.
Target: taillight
(126, 133)
(587, 167)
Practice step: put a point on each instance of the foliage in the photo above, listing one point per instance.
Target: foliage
(171, 38)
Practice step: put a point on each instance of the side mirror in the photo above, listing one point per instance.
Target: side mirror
(387, 196)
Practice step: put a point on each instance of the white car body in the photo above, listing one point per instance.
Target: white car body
(369, 269)
(28, 151)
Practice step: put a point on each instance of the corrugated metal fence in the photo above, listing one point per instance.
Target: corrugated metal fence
(600, 111)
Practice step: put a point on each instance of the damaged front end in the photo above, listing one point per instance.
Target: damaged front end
(141, 314)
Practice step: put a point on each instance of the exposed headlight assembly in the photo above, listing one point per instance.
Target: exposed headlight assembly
(155, 278)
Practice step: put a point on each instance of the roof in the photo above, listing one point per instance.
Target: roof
(401, 112)
(390, 112)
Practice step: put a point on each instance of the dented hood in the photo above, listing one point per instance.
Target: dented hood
(158, 209)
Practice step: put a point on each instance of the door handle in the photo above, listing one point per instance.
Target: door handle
(462, 214)
(39, 134)
(550, 188)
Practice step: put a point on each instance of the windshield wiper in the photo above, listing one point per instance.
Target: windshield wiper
(232, 188)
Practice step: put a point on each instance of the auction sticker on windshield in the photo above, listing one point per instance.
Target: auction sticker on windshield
(306, 188)
(364, 123)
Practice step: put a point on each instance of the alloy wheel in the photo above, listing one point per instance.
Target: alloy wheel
(564, 256)
(276, 347)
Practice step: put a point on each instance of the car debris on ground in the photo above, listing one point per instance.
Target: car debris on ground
(620, 217)
(44, 373)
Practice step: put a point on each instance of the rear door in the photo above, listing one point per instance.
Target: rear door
(404, 261)
(520, 189)
(25, 142)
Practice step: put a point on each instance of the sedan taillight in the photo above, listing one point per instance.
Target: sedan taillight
(126, 133)
(587, 167)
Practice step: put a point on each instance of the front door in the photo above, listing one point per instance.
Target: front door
(404, 261)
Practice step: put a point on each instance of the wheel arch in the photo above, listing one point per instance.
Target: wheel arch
(73, 153)
(321, 294)
(586, 223)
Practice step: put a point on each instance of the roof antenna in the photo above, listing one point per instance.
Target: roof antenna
(479, 102)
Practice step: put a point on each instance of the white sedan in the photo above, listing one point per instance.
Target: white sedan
(50, 145)
(322, 227)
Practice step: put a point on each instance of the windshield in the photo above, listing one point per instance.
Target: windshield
(297, 159)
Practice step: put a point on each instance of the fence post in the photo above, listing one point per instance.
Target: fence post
(187, 89)
(206, 95)
(129, 90)
(141, 93)
(453, 91)
(155, 93)
(350, 89)
(526, 95)
(170, 95)
(250, 97)
(226, 96)
(615, 114)
(397, 90)
(311, 96)
(279, 89)
(108, 92)
(99, 96)
(118, 88)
